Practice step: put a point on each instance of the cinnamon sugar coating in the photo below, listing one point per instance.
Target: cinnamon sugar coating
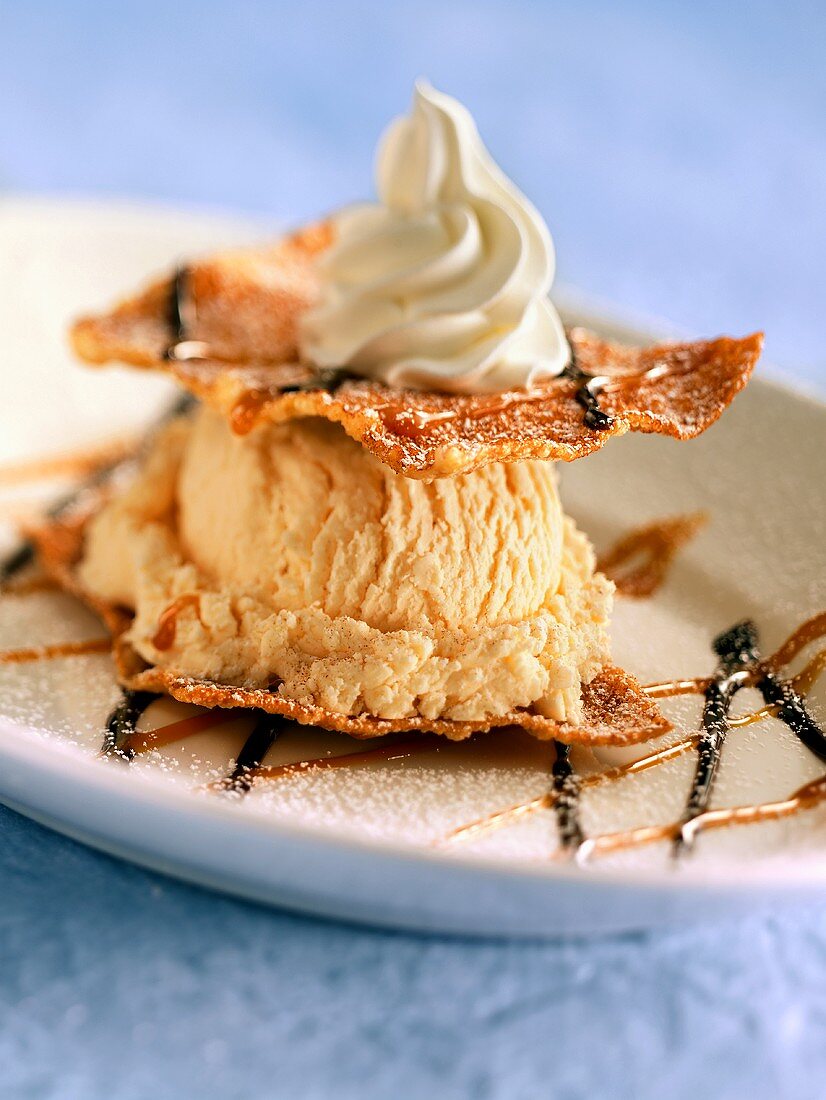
(246, 303)
(241, 357)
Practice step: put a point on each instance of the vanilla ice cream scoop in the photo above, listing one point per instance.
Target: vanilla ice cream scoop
(292, 557)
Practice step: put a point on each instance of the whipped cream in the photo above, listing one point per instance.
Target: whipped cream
(442, 284)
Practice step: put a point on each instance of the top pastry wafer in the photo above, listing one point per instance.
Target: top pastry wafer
(227, 330)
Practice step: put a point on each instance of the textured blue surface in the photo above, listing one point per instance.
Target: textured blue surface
(679, 154)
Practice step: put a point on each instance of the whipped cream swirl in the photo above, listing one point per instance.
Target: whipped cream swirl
(443, 284)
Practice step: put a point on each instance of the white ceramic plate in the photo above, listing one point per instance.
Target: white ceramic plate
(367, 841)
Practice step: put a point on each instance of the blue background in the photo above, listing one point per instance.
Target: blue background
(678, 153)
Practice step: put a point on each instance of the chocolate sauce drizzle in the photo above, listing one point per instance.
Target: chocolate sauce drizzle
(181, 317)
(737, 650)
(588, 394)
(792, 710)
(180, 304)
(740, 666)
(16, 561)
(265, 732)
(566, 790)
(327, 378)
(121, 723)
(639, 562)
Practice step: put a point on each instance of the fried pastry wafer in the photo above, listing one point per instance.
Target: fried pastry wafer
(245, 303)
(240, 357)
(671, 389)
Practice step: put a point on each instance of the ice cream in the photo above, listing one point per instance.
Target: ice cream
(443, 284)
(292, 557)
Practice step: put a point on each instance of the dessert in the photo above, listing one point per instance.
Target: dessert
(359, 526)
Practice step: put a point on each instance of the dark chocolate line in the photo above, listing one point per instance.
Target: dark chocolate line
(180, 407)
(16, 560)
(121, 723)
(263, 736)
(181, 319)
(329, 379)
(791, 709)
(737, 650)
(566, 789)
(179, 304)
(588, 395)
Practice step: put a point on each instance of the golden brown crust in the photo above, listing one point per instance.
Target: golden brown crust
(454, 434)
(247, 303)
(616, 710)
(247, 309)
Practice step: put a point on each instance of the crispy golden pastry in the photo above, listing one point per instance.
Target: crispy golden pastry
(244, 302)
(616, 709)
(241, 310)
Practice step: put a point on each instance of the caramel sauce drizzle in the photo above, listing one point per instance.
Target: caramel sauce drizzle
(639, 562)
(413, 423)
(401, 750)
(31, 586)
(138, 742)
(164, 637)
(143, 741)
(247, 409)
(123, 739)
(809, 632)
(77, 463)
(50, 652)
(806, 797)
(669, 689)
(801, 683)
(244, 413)
(805, 634)
(546, 801)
